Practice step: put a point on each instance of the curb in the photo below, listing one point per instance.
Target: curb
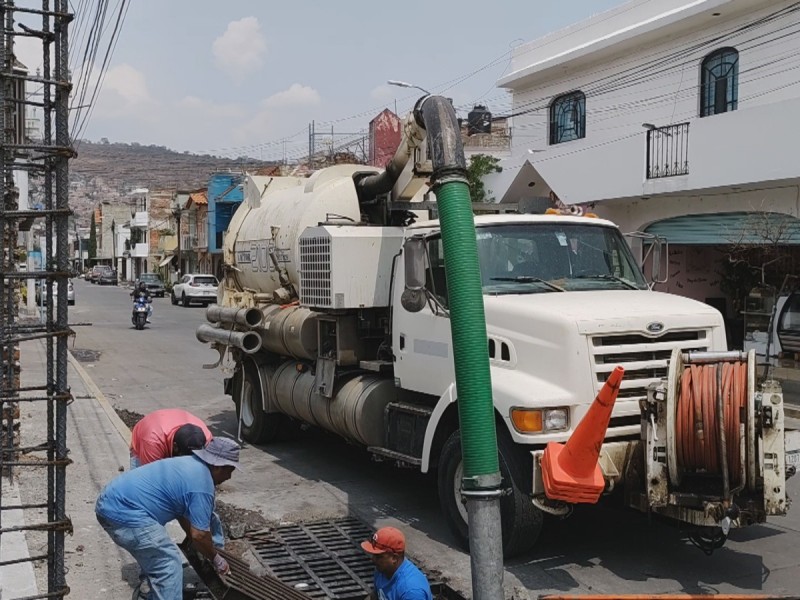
(112, 415)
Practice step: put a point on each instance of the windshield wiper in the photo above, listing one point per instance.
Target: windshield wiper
(527, 279)
(624, 282)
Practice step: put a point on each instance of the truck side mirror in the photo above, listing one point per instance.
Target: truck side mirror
(656, 264)
(413, 297)
(659, 243)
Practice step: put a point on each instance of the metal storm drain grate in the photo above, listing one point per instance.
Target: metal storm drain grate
(324, 559)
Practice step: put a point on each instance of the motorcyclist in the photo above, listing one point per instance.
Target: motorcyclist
(141, 289)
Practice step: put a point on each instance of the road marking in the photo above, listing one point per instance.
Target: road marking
(112, 415)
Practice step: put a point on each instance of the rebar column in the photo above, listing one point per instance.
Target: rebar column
(62, 266)
(46, 160)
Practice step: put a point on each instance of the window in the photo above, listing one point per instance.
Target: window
(568, 118)
(719, 86)
(435, 279)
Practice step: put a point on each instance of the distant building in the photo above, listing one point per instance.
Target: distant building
(385, 133)
(224, 197)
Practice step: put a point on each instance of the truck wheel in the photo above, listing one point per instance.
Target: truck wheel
(521, 521)
(258, 427)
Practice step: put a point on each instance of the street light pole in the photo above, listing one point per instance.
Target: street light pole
(405, 84)
(176, 212)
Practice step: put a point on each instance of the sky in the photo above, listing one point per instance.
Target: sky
(247, 77)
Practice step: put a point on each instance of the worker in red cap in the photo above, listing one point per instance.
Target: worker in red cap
(396, 577)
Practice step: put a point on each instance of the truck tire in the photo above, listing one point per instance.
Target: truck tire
(258, 427)
(521, 520)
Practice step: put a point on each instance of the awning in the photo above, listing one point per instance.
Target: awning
(734, 228)
(165, 262)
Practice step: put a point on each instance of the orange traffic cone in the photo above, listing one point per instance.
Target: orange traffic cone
(571, 471)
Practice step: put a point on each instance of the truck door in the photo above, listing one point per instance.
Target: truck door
(421, 341)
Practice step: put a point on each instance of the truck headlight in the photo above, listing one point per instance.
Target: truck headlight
(529, 420)
(556, 419)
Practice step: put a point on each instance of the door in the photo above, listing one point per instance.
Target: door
(421, 341)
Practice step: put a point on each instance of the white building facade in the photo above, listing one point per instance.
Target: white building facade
(674, 117)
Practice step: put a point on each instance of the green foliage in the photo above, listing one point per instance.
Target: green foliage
(479, 166)
(93, 238)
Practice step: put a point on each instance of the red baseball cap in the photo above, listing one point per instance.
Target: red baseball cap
(386, 539)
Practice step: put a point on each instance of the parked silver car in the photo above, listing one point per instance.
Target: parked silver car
(195, 287)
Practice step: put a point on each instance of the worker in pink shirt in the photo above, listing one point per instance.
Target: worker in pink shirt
(165, 433)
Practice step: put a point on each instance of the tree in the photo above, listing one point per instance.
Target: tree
(757, 254)
(93, 238)
(479, 166)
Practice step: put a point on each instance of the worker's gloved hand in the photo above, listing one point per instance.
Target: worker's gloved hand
(221, 565)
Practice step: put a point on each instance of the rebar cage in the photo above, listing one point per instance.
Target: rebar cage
(39, 158)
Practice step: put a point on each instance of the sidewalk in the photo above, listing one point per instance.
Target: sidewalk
(96, 568)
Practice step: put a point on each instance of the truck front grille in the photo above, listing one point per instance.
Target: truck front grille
(315, 271)
(644, 357)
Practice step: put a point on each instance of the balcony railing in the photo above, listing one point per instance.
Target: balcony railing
(140, 250)
(188, 242)
(141, 219)
(668, 151)
(202, 238)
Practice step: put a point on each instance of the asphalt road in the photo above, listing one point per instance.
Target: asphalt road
(601, 549)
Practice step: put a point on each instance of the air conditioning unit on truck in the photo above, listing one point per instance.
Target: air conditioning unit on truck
(311, 312)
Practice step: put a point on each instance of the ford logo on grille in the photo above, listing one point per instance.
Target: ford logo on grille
(655, 327)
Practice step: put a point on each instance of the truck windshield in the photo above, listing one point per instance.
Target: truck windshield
(572, 256)
(533, 258)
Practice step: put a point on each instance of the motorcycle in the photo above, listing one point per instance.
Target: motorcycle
(140, 310)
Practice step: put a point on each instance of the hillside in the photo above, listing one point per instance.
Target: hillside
(108, 171)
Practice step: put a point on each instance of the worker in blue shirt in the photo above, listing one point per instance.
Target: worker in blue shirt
(135, 506)
(396, 577)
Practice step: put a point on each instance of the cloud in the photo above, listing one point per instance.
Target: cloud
(241, 49)
(382, 92)
(275, 111)
(295, 95)
(199, 107)
(124, 94)
(130, 84)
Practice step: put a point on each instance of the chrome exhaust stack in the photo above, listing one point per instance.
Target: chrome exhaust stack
(248, 342)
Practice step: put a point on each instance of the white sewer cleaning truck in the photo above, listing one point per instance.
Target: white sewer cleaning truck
(333, 309)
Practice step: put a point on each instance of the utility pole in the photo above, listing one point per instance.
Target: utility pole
(80, 246)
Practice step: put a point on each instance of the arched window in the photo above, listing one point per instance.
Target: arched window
(719, 87)
(568, 118)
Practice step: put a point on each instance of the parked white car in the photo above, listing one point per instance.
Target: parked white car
(195, 287)
(70, 292)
